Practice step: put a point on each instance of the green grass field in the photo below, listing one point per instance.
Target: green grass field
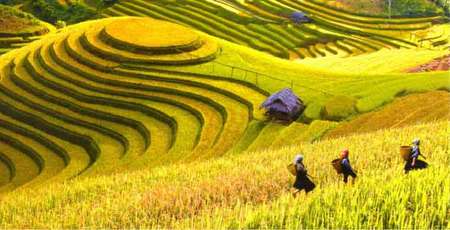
(153, 119)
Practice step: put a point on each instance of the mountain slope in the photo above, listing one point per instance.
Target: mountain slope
(229, 192)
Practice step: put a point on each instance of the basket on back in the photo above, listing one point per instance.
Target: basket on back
(292, 169)
(405, 152)
(337, 165)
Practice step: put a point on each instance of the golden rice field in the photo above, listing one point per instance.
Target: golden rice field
(265, 25)
(70, 108)
(376, 61)
(404, 111)
(251, 190)
(91, 101)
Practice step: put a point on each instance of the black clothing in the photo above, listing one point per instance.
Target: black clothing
(419, 165)
(347, 170)
(302, 181)
(349, 173)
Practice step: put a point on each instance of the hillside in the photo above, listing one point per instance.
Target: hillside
(57, 11)
(151, 116)
(110, 102)
(383, 61)
(404, 111)
(381, 8)
(17, 28)
(267, 26)
(221, 193)
(90, 119)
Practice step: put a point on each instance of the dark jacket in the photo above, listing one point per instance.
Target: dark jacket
(301, 180)
(346, 167)
(415, 153)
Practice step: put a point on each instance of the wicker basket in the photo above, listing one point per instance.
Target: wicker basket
(292, 169)
(337, 165)
(405, 152)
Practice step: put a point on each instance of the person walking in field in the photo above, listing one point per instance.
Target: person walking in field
(413, 162)
(347, 169)
(302, 181)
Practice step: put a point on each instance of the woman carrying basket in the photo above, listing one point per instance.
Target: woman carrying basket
(347, 169)
(302, 181)
(413, 163)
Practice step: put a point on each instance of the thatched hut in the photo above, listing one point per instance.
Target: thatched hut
(299, 17)
(284, 106)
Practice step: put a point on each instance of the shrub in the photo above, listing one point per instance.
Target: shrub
(339, 108)
(312, 112)
(52, 11)
(9, 2)
(413, 8)
(444, 4)
(101, 4)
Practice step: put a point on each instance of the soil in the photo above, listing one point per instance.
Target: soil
(368, 7)
(437, 64)
(11, 24)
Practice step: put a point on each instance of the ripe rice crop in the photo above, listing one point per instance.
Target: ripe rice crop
(252, 190)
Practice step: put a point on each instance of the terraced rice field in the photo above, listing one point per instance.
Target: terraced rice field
(13, 42)
(73, 109)
(251, 190)
(409, 110)
(404, 111)
(383, 61)
(17, 29)
(265, 25)
(168, 119)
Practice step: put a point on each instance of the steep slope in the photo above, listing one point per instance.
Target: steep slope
(266, 26)
(404, 111)
(251, 190)
(383, 61)
(69, 107)
(96, 101)
(438, 64)
(18, 28)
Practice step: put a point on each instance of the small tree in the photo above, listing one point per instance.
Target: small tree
(60, 24)
(389, 8)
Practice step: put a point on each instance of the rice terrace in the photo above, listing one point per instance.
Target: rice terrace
(224, 114)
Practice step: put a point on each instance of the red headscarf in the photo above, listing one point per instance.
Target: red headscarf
(344, 153)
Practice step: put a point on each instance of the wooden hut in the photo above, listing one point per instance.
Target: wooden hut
(299, 17)
(283, 106)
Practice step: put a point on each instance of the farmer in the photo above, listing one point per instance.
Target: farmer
(347, 169)
(301, 179)
(414, 163)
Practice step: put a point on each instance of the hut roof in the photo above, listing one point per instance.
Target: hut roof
(289, 101)
(298, 14)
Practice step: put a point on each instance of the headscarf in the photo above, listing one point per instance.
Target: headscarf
(416, 141)
(298, 158)
(344, 153)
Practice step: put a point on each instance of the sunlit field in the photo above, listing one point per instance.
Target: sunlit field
(185, 114)
(251, 190)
